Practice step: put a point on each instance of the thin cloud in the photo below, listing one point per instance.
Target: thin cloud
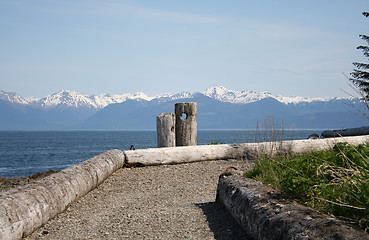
(8, 67)
(114, 9)
(280, 31)
(171, 16)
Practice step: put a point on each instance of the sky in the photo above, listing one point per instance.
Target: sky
(287, 47)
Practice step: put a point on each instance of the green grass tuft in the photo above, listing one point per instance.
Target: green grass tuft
(334, 181)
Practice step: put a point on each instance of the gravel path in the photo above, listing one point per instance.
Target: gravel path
(159, 202)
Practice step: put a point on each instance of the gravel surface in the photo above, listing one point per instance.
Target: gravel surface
(158, 202)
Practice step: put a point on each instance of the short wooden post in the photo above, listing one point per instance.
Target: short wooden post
(186, 126)
(165, 130)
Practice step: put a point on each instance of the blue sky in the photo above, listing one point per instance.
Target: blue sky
(293, 48)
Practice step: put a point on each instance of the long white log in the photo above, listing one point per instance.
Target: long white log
(293, 147)
(24, 209)
(157, 156)
(173, 155)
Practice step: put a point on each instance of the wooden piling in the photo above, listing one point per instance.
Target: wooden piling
(165, 130)
(186, 125)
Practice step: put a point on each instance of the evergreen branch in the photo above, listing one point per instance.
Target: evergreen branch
(360, 78)
(361, 75)
(363, 48)
(361, 65)
(365, 38)
(362, 94)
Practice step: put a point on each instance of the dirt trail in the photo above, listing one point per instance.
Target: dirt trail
(158, 202)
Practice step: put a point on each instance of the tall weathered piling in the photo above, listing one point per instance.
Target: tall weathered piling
(186, 126)
(165, 130)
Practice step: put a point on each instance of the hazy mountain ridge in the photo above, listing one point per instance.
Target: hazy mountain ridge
(13, 98)
(73, 99)
(225, 95)
(218, 108)
(67, 98)
(213, 114)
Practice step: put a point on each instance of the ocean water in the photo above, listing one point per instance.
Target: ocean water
(23, 153)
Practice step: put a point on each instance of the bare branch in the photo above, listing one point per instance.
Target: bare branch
(341, 204)
(363, 97)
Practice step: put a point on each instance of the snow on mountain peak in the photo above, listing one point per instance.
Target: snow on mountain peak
(220, 90)
(12, 97)
(225, 95)
(67, 98)
(295, 100)
(170, 97)
(141, 95)
(73, 99)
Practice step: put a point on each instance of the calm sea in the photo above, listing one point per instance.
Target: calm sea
(23, 153)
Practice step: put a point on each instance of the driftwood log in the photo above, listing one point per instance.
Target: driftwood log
(177, 155)
(24, 209)
(346, 132)
(268, 215)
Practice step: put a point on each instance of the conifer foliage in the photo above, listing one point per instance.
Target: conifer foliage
(360, 75)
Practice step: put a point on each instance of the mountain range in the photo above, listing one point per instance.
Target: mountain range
(218, 108)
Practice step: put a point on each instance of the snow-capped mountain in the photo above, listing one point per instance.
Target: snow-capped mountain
(72, 99)
(219, 108)
(12, 97)
(67, 98)
(225, 95)
(170, 97)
